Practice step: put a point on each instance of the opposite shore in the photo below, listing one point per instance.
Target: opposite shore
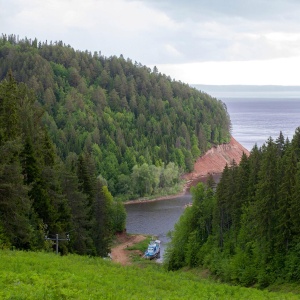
(212, 162)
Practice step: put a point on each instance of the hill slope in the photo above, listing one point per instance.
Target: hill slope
(122, 113)
(216, 158)
(25, 275)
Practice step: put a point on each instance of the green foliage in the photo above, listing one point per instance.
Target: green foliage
(42, 195)
(117, 110)
(27, 275)
(150, 180)
(118, 216)
(192, 230)
(252, 217)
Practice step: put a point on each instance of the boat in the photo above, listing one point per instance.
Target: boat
(153, 250)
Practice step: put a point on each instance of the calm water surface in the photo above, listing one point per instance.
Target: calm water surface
(255, 120)
(156, 218)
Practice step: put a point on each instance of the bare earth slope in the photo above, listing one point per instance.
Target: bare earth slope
(215, 159)
(119, 253)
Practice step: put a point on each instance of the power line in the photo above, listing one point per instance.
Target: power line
(57, 239)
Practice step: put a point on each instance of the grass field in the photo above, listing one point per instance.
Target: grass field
(32, 275)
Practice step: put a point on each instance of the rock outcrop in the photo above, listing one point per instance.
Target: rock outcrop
(215, 159)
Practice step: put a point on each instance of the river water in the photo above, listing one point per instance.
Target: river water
(157, 218)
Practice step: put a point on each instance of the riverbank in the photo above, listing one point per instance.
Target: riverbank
(215, 159)
(119, 252)
(212, 162)
(159, 198)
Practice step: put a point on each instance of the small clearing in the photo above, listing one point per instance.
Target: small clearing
(119, 253)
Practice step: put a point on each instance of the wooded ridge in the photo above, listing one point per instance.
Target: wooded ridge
(77, 129)
(122, 113)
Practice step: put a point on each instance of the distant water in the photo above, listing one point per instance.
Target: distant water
(254, 120)
(250, 91)
(259, 112)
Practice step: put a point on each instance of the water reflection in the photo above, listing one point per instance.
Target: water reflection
(156, 218)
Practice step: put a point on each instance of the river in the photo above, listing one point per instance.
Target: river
(157, 218)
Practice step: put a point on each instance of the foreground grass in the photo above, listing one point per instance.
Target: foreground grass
(30, 275)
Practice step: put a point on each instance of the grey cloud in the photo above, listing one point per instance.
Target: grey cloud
(195, 31)
(218, 30)
(248, 9)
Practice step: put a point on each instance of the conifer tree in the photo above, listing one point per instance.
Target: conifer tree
(285, 199)
(267, 191)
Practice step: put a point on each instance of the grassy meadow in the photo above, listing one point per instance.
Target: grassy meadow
(35, 275)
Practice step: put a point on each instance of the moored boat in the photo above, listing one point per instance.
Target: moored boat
(153, 250)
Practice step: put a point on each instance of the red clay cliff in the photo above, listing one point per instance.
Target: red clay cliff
(215, 159)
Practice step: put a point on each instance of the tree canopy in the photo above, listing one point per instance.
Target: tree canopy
(247, 230)
(121, 112)
(42, 195)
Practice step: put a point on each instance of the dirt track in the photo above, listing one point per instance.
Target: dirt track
(119, 253)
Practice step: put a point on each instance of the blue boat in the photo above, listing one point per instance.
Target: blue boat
(153, 250)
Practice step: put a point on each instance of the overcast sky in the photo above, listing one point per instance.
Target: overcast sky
(204, 42)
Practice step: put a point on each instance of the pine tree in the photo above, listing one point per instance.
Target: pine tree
(80, 240)
(103, 226)
(15, 205)
(9, 114)
(267, 192)
(285, 199)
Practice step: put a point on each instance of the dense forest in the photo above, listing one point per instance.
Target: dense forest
(247, 229)
(77, 129)
(139, 127)
(42, 195)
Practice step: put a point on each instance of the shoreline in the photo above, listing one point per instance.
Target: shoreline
(159, 198)
(185, 191)
(211, 163)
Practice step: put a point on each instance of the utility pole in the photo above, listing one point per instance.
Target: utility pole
(56, 239)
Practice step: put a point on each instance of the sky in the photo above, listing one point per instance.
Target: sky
(249, 42)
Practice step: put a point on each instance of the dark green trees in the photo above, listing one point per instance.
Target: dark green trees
(117, 107)
(42, 195)
(254, 237)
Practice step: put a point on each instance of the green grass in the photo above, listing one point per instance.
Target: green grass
(31, 275)
(141, 246)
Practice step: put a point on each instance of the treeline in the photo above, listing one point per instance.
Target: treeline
(122, 113)
(43, 195)
(247, 230)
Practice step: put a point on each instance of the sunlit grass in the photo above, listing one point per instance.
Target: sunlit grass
(141, 246)
(28, 275)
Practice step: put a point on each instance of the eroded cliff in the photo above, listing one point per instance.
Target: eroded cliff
(215, 159)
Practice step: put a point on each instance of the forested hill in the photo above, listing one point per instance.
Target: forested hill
(247, 230)
(122, 113)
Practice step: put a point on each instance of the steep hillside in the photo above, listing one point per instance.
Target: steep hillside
(215, 159)
(31, 276)
(119, 112)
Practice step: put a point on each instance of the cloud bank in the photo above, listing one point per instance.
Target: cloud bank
(164, 32)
